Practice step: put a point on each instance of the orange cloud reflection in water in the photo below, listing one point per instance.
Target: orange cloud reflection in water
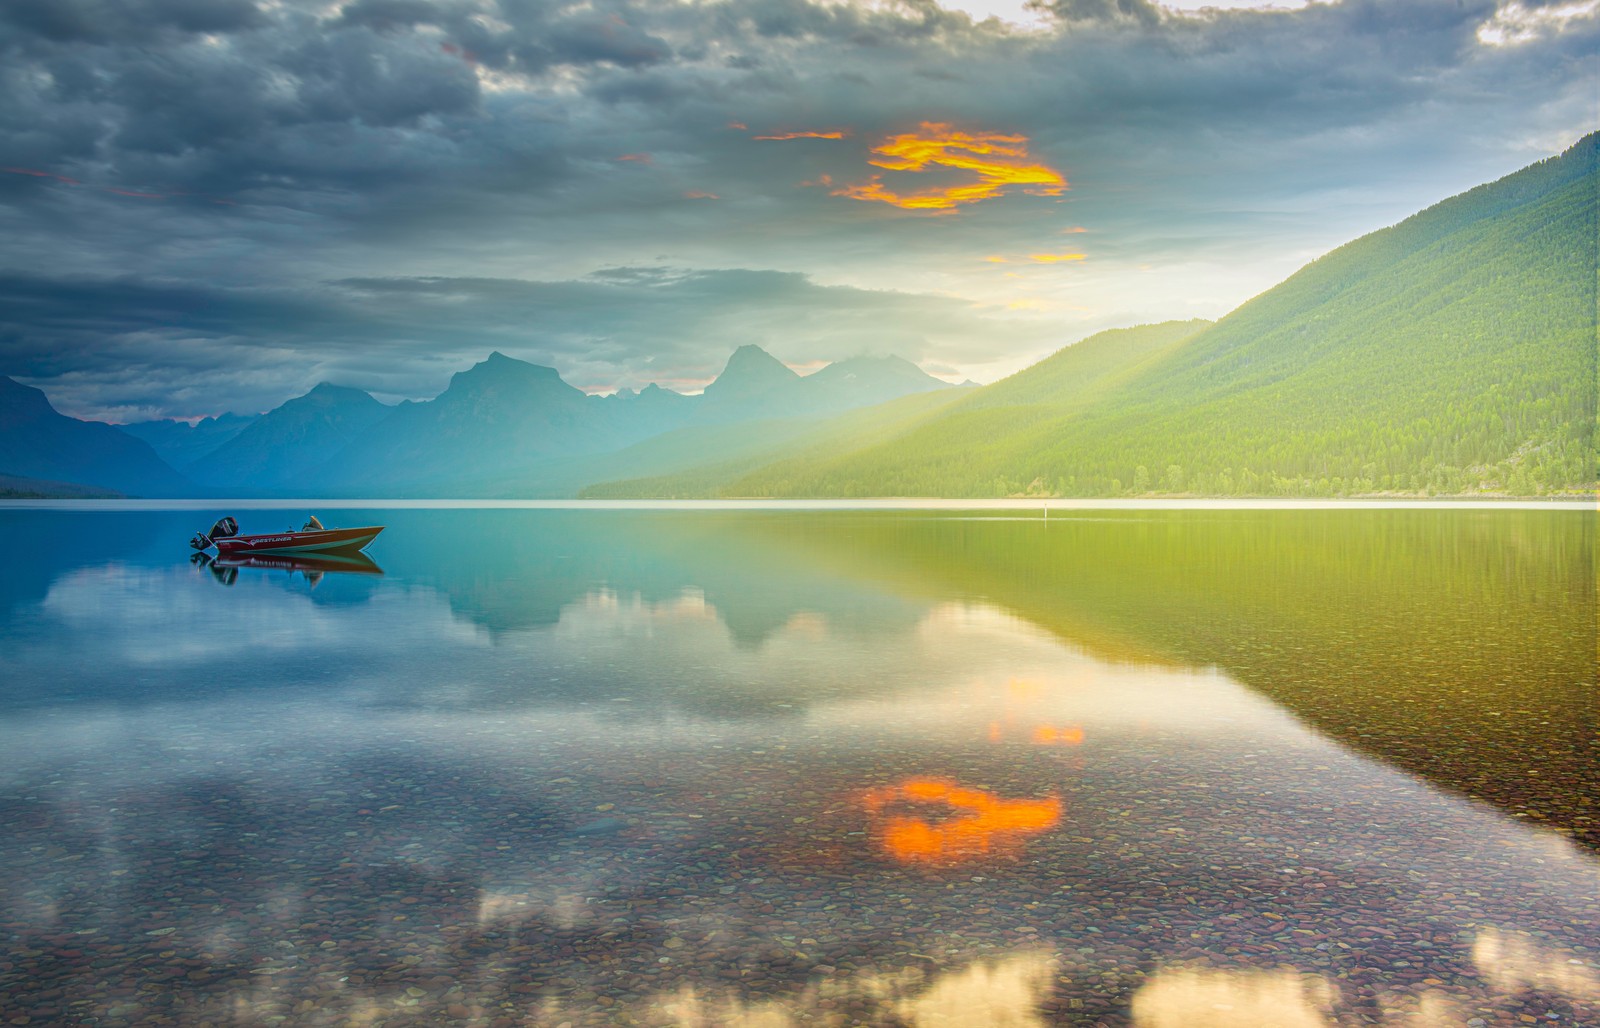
(933, 822)
(1057, 735)
(997, 160)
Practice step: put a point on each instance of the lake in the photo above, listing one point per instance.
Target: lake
(591, 766)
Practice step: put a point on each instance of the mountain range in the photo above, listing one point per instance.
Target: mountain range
(502, 427)
(1452, 353)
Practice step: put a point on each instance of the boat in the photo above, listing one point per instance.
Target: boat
(313, 538)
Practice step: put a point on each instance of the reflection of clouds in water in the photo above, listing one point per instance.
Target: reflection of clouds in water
(295, 765)
(1003, 993)
(1013, 682)
(1515, 962)
(565, 910)
(165, 617)
(1215, 998)
(1509, 965)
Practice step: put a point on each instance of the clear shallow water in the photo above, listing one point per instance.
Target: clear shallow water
(609, 767)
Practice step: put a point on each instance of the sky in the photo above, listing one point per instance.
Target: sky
(213, 205)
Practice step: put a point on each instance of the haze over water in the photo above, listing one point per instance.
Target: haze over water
(1155, 768)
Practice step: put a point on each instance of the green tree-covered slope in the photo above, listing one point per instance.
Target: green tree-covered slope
(1454, 352)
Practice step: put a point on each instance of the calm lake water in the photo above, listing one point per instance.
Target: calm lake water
(1172, 769)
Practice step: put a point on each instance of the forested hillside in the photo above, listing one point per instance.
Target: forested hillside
(1452, 353)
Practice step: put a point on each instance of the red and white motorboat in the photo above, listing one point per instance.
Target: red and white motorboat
(312, 539)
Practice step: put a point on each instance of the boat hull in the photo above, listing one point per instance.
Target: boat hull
(328, 540)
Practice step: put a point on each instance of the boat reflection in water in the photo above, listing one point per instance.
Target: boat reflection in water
(313, 566)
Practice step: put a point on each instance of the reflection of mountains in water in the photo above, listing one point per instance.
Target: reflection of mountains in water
(509, 570)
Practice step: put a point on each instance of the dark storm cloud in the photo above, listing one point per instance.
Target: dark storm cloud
(239, 156)
(126, 21)
(128, 347)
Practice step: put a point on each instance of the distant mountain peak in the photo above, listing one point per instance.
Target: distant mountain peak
(497, 367)
(327, 396)
(751, 369)
(329, 391)
(859, 381)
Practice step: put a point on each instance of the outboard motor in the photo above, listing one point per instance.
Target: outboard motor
(223, 529)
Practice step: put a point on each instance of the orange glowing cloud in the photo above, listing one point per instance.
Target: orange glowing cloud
(1056, 258)
(929, 821)
(995, 259)
(637, 158)
(782, 136)
(998, 161)
(696, 194)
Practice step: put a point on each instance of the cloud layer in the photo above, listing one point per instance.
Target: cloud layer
(222, 186)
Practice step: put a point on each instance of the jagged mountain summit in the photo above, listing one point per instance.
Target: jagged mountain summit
(501, 413)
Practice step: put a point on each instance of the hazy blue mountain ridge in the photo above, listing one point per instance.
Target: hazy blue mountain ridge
(279, 448)
(38, 442)
(180, 443)
(503, 427)
(506, 427)
(499, 413)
